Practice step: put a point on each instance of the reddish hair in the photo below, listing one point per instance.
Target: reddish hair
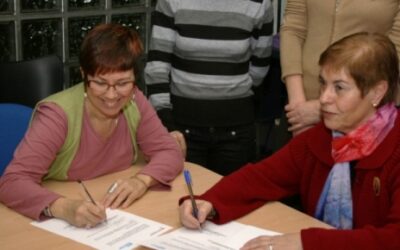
(368, 58)
(110, 48)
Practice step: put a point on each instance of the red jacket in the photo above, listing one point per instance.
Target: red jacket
(301, 167)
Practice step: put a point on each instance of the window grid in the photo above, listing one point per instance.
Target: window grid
(34, 28)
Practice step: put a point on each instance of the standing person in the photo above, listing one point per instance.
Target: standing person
(205, 59)
(309, 27)
(94, 128)
(346, 169)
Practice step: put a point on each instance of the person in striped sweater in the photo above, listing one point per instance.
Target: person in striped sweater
(206, 57)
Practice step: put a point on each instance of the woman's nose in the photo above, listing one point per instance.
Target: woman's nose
(325, 95)
(111, 92)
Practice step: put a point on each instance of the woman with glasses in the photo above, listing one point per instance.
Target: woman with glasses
(91, 129)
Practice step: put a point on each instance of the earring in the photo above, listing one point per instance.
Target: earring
(85, 95)
(374, 105)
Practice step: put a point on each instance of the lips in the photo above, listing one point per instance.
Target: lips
(111, 104)
(327, 114)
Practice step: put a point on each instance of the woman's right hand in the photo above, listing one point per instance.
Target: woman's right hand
(79, 213)
(186, 213)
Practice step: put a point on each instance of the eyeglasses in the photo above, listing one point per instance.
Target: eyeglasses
(102, 87)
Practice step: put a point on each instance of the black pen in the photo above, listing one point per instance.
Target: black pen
(88, 194)
(188, 181)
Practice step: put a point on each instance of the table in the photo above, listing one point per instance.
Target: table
(159, 205)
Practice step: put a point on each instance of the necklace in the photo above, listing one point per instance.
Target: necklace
(107, 132)
(103, 126)
(116, 121)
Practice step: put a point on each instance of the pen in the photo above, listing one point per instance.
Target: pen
(188, 180)
(87, 192)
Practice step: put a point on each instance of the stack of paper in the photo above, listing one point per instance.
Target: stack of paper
(232, 235)
(121, 231)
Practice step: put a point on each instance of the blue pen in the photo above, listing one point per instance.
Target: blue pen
(188, 181)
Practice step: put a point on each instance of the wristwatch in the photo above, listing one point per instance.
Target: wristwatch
(47, 212)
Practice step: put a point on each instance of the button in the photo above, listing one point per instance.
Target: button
(187, 131)
(211, 129)
(233, 133)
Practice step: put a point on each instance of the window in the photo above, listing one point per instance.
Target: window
(34, 28)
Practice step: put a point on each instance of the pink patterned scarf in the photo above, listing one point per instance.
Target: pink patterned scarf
(365, 139)
(335, 205)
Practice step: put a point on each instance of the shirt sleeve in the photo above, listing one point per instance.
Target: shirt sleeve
(292, 36)
(367, 238)
(20, 187)
(164, 154)
(253, 185)
(158, 66)
(261, 44)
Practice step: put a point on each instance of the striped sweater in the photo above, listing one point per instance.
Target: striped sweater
(206, 55)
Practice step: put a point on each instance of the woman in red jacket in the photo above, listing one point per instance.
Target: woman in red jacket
(346, 169)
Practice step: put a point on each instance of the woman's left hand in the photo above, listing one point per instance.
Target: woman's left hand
(124, 192)
(281, 242)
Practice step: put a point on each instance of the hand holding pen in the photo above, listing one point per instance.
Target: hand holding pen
(205, 209)
(95, 214)
(188, 180)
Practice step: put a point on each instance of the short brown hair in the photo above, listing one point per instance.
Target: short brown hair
(110, 48)
(368, 58)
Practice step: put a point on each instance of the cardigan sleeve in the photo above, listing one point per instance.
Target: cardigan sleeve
(367, 238)
(292, 36)
(20, 187)
(253, 185)
(164, 154)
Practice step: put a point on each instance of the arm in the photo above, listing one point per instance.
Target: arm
(261, 44)
(253, 185)
(301, 114)
(292, 36)
(368, 238)
(158, 67)
(295, 90)
(32, 159)
(164, 154)
(394, 33)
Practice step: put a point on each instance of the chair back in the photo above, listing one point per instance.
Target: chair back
(14, 122)
(27, 82)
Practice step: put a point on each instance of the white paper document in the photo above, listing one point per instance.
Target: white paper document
(122, 230)
(229, 236)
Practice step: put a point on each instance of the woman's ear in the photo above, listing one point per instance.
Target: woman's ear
(378, 92)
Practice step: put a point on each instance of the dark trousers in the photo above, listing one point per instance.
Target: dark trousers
(220, 149)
